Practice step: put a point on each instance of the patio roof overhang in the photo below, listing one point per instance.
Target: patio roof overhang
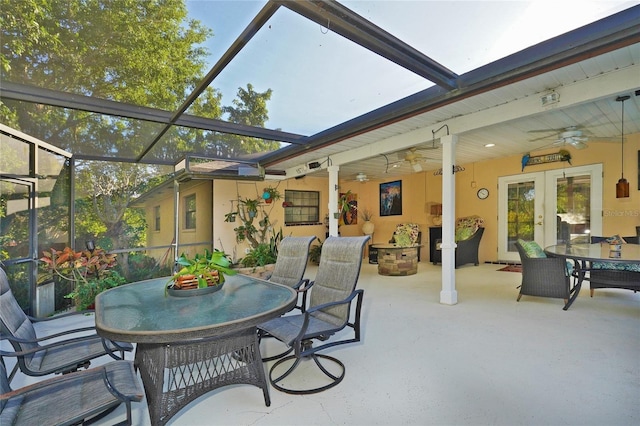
(606, 35)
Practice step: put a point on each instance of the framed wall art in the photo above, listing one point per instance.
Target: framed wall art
(391, 198)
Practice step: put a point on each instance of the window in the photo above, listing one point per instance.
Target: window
(190, 212)
(156, 213)
(301, 207)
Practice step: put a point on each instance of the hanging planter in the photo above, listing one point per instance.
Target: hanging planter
(270, 194)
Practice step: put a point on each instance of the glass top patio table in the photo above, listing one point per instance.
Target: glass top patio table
(582, 254)
(142, 313)
(629, 253)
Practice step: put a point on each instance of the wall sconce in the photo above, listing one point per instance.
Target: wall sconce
(622, 187)
(91, 245)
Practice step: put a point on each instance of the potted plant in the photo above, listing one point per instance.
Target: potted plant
(230, 217)
(315, 252)
(270, 194)
(251, 206)
(201, 271)
(367, 226)
(343, 204)
(91, 271)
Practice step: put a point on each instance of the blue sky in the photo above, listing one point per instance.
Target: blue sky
(320, 79)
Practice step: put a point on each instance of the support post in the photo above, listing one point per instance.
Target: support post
(448, 295)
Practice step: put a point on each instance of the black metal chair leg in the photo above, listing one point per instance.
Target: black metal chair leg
(335, 379)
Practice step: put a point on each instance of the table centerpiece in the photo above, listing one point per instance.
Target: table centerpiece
(201, 274)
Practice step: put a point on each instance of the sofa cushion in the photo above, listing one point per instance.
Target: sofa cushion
(467, 226)
(616, 266)
(532, 249)
(406, 234)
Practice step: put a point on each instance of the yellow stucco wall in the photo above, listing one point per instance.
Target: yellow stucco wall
(225, 191)
(420, 191)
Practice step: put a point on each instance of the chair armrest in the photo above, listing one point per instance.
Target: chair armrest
(126, 387)
(303, 285)
(335, 303)
(45, 347)
(68, 314)
(305, 323)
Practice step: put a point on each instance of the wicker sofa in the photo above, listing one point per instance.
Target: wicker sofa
(614, 274)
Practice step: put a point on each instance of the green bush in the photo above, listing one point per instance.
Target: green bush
(262, 255)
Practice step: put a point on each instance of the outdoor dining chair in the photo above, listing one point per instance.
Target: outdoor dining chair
(74, 398)
(57, 353)
(542, 276)
(330, 302)
(293, 256)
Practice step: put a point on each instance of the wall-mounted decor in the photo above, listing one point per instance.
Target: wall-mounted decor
(349, 216)
(531, 160)
(391, 198)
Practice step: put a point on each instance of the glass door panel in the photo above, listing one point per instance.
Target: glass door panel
(16, 231)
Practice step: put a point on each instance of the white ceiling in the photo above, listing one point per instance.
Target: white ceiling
(509, 117)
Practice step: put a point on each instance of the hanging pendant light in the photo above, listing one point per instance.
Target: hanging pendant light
(622, 187)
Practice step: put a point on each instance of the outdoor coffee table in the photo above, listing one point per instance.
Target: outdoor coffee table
(188, 346)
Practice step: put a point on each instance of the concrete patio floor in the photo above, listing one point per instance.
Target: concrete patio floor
(487, 360)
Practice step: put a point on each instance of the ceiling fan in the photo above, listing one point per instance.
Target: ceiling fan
(413, 157)
(569, 135)
(361, 177)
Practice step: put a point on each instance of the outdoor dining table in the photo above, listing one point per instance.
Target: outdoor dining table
(583, 254)
(188, 346)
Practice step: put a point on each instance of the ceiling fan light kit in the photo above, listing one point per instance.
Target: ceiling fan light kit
(361, 177)
(622, 187)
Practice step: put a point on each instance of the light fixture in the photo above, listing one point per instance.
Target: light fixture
(489, 145)
(622, 187)
(416, 167)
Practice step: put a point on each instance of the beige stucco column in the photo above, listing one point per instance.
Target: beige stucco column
(448, 295)
(333, 199)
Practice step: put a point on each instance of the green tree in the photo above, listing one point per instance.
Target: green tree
(138, 52)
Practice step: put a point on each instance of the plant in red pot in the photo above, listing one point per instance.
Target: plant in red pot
(204, 272)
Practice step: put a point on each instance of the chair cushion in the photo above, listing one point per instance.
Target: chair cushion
(467, 226)
(532, 249)
(406, 234)
(616, 266)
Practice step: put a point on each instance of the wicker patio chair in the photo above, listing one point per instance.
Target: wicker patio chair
(330, 300)
(293, 256)
(543, 276)
(468, 242)
(72, 398)
(67, 351)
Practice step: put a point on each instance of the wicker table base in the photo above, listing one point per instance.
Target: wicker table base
(174, 374)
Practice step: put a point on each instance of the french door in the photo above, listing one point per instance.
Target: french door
(549, 207)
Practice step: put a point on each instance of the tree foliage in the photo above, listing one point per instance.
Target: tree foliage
(139, 52)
